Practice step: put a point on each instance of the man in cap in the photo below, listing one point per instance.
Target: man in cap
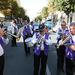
(41, 50)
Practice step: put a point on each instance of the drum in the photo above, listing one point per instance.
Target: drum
(34, 41)
(29, 42)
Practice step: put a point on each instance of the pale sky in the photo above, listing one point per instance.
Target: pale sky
(33, 6)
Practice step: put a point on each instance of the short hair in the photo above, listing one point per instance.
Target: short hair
(63, 22)
(72, 24)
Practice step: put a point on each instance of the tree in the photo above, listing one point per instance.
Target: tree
(51, 6)
(39, 18)
(21, 12)
(4, 4)
(17, 11)
(26, 18)
(12, 9)
(67, 6)
(44, 12)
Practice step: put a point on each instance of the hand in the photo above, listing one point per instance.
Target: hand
(43, 39)
(2, 32)
(64, 37)
(72, 47)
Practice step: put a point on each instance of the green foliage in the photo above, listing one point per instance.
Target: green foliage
(38, 18)
(63, 5)
(4, 4)
(11, 8)
(44, 12)
(26, 18)
(14, 9)
(52, 6)
(17, 11)
(21, 12)
(66, 5)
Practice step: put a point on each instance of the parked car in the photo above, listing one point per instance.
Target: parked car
(49, 23)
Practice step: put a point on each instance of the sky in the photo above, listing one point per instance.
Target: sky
(33, 7)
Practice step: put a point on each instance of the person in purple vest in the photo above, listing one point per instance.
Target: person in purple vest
(62, 32)
(42, 42)
(3, 40)
(70, 51)
(27, 32)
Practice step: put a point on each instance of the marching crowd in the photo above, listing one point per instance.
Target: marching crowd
(40, 39)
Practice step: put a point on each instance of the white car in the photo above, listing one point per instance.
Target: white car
(48, 23)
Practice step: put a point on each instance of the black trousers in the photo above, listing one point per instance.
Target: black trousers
(27, 49)
(70, 67)
(14, 40)
(40, 60)
(60, 57)
(1, 64)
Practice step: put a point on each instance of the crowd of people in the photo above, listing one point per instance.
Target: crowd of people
(41, 39)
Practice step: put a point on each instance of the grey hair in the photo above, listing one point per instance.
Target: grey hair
(63, 22)
(72, 24)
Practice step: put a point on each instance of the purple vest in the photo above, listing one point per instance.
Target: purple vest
(1, 42)
(66, 33)
(70, 54)
(26, 30)
(37, 49)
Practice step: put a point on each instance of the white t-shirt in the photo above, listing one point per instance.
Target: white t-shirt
(6, 41)
(1, 50)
